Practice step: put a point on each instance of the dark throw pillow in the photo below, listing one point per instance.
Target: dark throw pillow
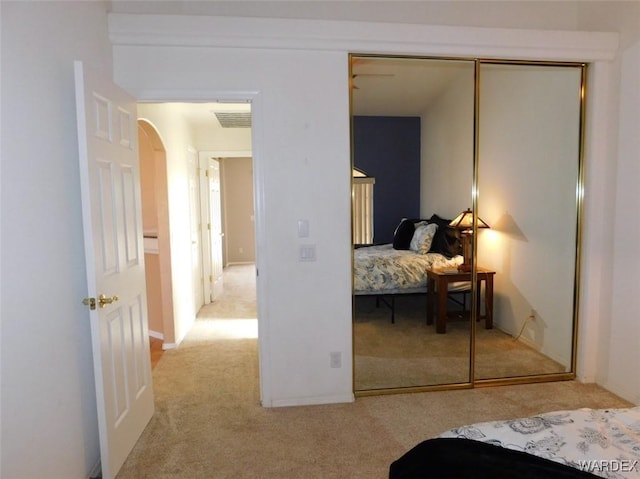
(403, 234)
(447, 239)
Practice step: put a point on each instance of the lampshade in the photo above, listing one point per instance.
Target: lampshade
(464, 221)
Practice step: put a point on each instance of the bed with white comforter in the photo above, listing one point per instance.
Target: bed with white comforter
(572, 444)
(382, 269)
(604, 442)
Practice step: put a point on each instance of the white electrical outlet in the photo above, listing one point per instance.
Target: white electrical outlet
(335, 359)
(307, 252)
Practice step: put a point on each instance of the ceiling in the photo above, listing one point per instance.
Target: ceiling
(401, 86)
(204, 114)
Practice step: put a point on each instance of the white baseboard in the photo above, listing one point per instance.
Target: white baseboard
(156, 335)
(166, 346)
(96, 471)
(558, 359)
(239, 263)
(625, 390)
(310, 401)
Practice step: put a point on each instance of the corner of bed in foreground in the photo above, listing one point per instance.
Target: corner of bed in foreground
(563, 444)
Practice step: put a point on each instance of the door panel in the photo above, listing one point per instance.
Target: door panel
(111, 210)
(131, 231)
(108, 232)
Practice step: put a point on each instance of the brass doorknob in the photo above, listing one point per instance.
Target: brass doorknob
(104, 300)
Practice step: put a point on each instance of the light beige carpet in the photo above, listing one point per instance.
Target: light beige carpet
(209, 424)
(409, 352)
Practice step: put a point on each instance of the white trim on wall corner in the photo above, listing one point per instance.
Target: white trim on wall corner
(228, 153)
(151, 245)
(362, 37)
(156, 335)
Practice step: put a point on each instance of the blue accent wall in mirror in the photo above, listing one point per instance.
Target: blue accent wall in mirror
(388, 148)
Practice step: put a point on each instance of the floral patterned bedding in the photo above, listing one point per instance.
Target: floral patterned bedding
(384, 270)
(604, 442)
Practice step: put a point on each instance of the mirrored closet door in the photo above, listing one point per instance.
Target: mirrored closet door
(412, 130)
(528, 183)
(426, 134)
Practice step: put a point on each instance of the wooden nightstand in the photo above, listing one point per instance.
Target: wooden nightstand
(438, 287)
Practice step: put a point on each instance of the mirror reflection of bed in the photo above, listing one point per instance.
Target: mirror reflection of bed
(395, 345)
(413, 131)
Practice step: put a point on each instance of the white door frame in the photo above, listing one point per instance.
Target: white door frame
(205, 214)
(257, 120)
(195, 208)
(205, 232)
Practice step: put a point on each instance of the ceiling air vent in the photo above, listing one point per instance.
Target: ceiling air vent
(231, 119)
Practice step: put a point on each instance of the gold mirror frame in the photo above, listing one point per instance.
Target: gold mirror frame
(473, 382)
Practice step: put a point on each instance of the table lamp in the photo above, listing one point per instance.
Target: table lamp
(464, 223)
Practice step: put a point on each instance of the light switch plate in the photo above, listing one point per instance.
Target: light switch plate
(303, 228)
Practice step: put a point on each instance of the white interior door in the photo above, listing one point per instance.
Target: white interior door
(194, 208)
(112, 219)
(215, 220)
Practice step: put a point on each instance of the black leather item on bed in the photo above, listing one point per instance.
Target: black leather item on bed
(454, 458)
(446, 240)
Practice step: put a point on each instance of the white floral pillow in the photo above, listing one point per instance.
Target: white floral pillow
(423, 237)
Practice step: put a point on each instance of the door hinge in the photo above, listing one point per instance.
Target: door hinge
(209, 226)
(210, 278)
(206, 173)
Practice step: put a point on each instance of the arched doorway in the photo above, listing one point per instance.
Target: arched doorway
(155, 224)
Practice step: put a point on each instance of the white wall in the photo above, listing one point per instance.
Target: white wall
(446, 170)
(612, 196)
(620, 373)
(49, 422)
(215, 138)
(301, 149)
(301, 142)
(177, 138)
(558, 15)
(619, 357)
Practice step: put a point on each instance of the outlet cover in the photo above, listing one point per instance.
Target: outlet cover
(307, 252)
(335, 359)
